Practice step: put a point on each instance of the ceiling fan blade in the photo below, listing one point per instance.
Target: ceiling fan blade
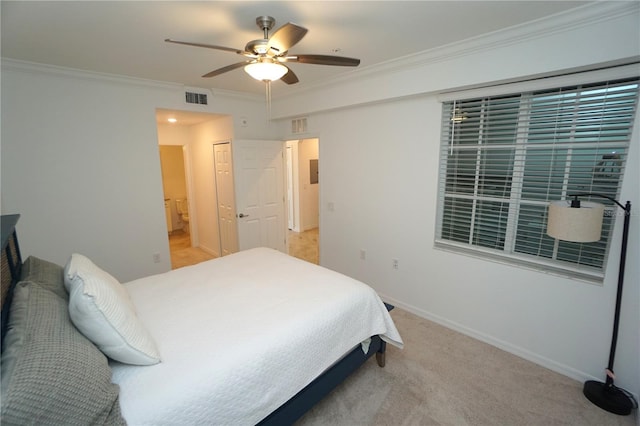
(322, 60)
(225, 69)
(210, 46)
(290, 77)
(285, 37)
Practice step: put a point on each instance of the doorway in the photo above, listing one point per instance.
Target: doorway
(303, 189)
(176, 201)
(200, 134)
(192, 133)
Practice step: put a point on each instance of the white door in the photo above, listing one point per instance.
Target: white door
(260, 199)
(226, 202)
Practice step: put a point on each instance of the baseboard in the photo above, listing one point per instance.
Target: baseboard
(557, 367)
(565, 370)
(208, 250)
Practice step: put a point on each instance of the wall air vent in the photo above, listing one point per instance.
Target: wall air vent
(196, 98)
(299, 125)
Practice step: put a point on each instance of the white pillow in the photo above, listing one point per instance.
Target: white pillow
(100, 308)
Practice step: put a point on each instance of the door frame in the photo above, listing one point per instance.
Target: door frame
(193, 217)
(292, 145)
(298, 222)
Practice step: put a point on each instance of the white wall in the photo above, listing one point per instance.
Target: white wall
(203, 137)
(80, 163)
(379, 163)
(308, 193)
(171, 134)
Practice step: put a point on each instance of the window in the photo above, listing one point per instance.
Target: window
(504, 158)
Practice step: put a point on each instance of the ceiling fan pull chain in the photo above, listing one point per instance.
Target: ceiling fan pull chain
(267, 84)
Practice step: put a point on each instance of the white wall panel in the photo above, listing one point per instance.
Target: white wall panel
(379, 138)
(80, 163)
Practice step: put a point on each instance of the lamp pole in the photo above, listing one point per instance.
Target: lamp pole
(606, 395)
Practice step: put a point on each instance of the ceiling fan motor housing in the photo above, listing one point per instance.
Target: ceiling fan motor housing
(265, 23)
(259, 47)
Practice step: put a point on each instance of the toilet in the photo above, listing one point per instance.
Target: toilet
(182, 207)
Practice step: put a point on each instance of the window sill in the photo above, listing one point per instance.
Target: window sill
(590, 276)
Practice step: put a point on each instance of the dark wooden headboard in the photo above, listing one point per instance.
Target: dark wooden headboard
(11, 264)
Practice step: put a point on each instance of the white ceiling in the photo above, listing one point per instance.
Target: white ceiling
(127, 37)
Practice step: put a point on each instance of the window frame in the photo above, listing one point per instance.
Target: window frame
(507, 254)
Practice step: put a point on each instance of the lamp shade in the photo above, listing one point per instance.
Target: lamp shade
(266, 71)
(578, 224)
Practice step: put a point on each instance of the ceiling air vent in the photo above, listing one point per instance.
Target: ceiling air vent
(196, 98)
(299, 125)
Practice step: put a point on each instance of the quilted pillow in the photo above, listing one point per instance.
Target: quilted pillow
(101, 309)
(51, 374)
(48, 275)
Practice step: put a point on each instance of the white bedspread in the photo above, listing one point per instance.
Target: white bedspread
(240, 335)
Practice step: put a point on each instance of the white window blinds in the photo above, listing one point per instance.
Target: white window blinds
(504, 158)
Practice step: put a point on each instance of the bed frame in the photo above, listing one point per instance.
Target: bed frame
(304, 400)
(11, 264)
(286, 414)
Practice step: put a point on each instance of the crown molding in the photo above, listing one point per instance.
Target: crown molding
(73, 73)
(586, 15)
(570, 20)
(39, 68)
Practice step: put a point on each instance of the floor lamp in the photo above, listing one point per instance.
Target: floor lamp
(582, 222)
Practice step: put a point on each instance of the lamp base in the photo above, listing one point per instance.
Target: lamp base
(608, 398)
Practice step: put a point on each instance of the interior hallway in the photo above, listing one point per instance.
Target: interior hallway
(303, 245)
(182, 254)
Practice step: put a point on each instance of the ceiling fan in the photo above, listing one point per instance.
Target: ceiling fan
(266, 56)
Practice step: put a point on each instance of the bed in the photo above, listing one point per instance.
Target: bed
(257, 337)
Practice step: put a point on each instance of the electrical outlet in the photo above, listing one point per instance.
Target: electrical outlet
(156, 257)
(363, 254)
(395, 263)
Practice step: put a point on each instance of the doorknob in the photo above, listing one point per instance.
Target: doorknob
(241, 215)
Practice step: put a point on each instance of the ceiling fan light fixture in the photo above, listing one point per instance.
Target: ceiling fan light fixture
(266, 71)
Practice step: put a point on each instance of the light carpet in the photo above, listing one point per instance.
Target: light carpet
(442, 377)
